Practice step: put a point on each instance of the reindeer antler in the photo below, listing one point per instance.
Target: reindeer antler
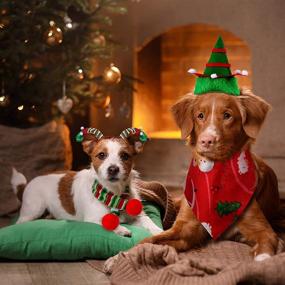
(140, 134)
(85, 131)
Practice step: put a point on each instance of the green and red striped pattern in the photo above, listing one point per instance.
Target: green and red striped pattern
(107, 197)
(128, 132)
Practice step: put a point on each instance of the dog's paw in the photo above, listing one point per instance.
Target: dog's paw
(109, 264)
(123, 231)
(261, 257)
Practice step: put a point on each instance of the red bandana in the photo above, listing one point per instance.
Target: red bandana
(218, 192)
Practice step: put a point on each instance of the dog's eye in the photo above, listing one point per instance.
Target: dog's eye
(101, 155)
(200, 116)
(125, 156)
(227, 116)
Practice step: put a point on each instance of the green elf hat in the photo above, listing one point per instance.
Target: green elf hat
(217, 76)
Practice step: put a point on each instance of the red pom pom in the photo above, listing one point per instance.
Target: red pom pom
(110, 222)
(134, 207)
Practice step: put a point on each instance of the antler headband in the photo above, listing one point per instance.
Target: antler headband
(85, 131)
(129, 132)
(134, 132)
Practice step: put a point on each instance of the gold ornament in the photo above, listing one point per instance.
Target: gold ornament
(112, 74)
(31, 76)
(25, 76)
(109, 111)
(101, 100)
(4, 22)
(68, 22)
(53, 35)
(100, 40)
(107, 102)
(4, 100)
(4, 11)
(78, 73)
(26, 66)
(4, 19)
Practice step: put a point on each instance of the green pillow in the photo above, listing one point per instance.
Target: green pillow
(69, 240)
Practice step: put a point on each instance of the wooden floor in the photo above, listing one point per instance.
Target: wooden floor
(50, 273)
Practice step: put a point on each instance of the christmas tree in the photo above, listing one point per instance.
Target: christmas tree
(225, 208)
(47, 54)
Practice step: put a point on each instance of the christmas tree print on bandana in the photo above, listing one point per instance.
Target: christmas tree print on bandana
(225, 208)
(219, 192)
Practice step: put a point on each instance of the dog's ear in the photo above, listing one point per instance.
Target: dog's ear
(135, 137)
(253, 112)
(88, 137)
(183, 114)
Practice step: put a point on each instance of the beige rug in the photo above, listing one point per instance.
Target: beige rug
(224, 262)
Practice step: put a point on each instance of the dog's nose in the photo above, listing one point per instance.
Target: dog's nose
(207, 140)
(113, 170)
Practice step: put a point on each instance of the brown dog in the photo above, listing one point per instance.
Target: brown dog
(218, 125)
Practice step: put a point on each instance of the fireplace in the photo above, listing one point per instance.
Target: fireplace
(162, 64)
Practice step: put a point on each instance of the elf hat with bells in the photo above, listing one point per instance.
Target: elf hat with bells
(217, 76)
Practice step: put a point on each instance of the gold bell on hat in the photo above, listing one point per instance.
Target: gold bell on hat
(53, 35)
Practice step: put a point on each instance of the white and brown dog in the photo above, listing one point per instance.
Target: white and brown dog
(68, 195)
